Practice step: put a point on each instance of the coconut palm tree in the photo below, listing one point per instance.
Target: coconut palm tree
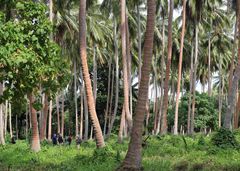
(133, 157)
(83, 55)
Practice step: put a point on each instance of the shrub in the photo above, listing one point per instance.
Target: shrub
(224, 138)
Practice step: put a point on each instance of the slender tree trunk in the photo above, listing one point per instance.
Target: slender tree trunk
(50, 121)
(111, 101)
(147, 117)
(94, 74)
(75, 96)
(180, 69)
(6, 117)
(168, 66)
(220, 94)
(125, 65)
(209, 69)
(236, 77)
(162, 73)
(194, 79)
(81, 114)
(58, 115)
(44, 119)
(190, 95)
(83, 53)
(2, 140)
(85, 115)
(27, 113)
(117, 78)
(35, 146)
(16, 125)
(108, 97)
(63, 116)
(10, 120)
(133, 159)
(122, 125)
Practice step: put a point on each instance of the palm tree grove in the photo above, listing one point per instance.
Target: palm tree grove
(120, 85)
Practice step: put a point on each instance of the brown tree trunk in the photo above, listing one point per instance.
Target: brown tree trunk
(83, 53)
(44, 121)
(168, 66)
(122, 125)
(133, 159)
(125, 65)
(35, 143)
(180, 69)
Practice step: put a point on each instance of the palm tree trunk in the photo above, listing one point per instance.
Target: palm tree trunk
(190, 95)
(111, 100)
(83, 53)
(81, 114)
(50, 121)
(58, 115)
(26, 129)
(122, 125)
(6, 117)
(35, 146)
(108, 97)
(94, 74)
(220, 94)
(62, 127)
(180, 69)
(10, 120)
(85, 114)
(168, 66)
(75, 96)
(125, 65)
(117, 78)
(162, 71)
(236, 77)
(209, 69)
(133, 159)
(194, 79)
(139, 44)
(44, 120)
(2, 140)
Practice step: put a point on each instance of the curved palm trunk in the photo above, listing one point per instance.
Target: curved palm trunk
(44, 121)
(35, 146)
(180, 69)
(83, 53)
(168, 66)
(236, 77)
(133, 159)
(125, 65)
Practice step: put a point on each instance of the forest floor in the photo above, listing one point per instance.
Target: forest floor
(160, 154)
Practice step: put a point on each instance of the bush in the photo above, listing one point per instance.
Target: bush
(224, 138)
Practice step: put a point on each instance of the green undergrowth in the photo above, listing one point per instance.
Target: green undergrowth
(163, 153)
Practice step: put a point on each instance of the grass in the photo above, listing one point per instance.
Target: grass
(161, 153)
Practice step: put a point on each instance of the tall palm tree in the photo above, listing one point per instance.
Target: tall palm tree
(83, 54)
(180, 68)
(125, 63)
(168, 66)
(132, 160)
